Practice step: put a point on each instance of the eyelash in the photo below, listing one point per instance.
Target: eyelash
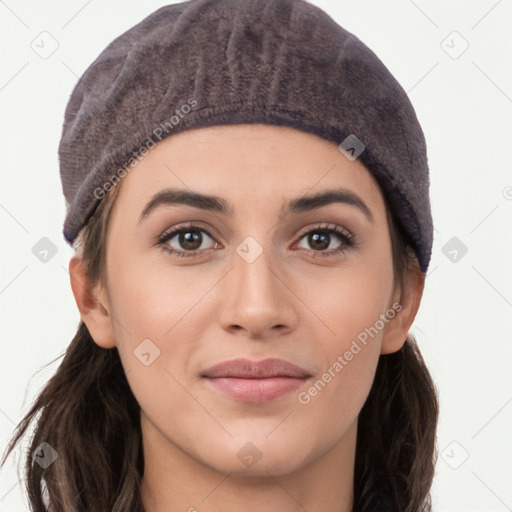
(348, 239)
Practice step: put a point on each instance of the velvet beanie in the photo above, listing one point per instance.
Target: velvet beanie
(210, 62)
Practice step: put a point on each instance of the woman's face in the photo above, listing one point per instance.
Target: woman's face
(258, 277)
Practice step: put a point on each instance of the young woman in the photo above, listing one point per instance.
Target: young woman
(247, 192)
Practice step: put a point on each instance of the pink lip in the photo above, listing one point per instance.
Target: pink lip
(256, 381)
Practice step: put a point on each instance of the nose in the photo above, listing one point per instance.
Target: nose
(258, 298)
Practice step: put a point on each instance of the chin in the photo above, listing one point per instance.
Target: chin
(262, 457)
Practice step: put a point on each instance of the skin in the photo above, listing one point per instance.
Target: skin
(289, 303)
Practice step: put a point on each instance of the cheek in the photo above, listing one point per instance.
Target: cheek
(347, 303)
(155, 326)
(333, 401)
(350, 304)
(159, 314)
(150, 298)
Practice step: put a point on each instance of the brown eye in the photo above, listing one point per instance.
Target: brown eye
(190, 240)
(186, 240)
(319, 241)
(327, 241)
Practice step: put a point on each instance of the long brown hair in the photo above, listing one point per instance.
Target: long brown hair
(88, 414)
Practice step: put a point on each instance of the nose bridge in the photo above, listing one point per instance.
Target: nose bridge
(254, 273)
(256, 299)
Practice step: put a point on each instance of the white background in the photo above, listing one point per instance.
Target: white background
(465, 107)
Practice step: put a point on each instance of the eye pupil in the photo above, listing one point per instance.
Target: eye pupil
(187, 239)
(321, 241)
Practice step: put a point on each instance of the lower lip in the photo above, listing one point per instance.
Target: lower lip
(256, 390)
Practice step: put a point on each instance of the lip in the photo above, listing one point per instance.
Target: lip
(256, 381)
(247, 369)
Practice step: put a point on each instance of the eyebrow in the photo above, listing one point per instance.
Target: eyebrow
(212, 203)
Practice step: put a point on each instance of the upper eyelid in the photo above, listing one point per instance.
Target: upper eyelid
(190, 225)
(327, 227)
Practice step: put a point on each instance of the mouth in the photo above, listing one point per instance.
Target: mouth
(256, 381)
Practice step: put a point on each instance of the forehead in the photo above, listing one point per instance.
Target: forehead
(249, 164)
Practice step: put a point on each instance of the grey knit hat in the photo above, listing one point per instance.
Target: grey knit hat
(210, 62)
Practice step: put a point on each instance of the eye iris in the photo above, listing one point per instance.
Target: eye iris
(188, 238)
(323, 238)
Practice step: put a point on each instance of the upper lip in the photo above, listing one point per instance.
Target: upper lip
(247, 369)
